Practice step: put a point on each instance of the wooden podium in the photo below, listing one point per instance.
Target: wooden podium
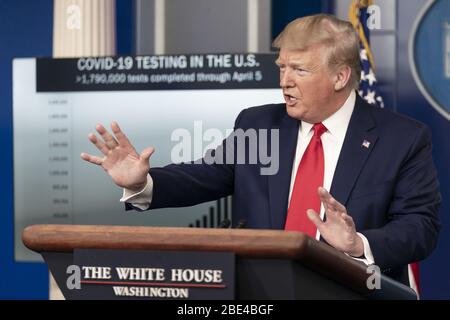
(270, 264)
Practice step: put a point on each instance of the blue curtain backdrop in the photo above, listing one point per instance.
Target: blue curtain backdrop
(25, 31)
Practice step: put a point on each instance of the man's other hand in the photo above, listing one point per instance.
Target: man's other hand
(127, 168)
(338, 229)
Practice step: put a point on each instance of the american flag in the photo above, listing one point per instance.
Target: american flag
(358, 15)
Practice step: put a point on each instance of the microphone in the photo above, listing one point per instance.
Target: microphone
(226, 223)
(241, 224)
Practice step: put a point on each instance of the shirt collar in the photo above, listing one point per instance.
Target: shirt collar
(338, 122)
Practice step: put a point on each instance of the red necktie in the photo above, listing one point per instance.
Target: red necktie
(308, 179)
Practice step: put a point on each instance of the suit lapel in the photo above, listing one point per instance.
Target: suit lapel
(358, 144)
(279, 183)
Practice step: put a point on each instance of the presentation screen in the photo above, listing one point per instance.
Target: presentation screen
(58, 102)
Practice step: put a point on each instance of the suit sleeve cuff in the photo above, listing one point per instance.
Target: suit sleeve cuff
(141, 199)
(368, 256)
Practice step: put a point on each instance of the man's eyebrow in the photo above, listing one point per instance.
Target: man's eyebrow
(278, 61)
(298, 64)
(292, 63)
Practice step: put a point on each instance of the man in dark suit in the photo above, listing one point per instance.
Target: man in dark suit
(384, 195)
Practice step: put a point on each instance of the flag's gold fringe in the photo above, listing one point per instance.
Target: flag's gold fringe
(353, 16)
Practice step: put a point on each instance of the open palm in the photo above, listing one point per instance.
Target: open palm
(125, 166)
(338, 229)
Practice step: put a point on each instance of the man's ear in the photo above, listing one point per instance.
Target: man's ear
(342, 77)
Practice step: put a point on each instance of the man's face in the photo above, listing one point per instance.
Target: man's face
(307, 84)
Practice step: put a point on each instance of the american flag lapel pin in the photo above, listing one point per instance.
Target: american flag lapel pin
(366, 144)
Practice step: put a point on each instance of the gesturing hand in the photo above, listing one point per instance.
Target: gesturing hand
(338, 229)
(126, 167)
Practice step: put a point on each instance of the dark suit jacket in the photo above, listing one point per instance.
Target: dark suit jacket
(390, 188)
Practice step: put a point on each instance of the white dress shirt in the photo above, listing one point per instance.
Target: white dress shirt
(332, 141)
